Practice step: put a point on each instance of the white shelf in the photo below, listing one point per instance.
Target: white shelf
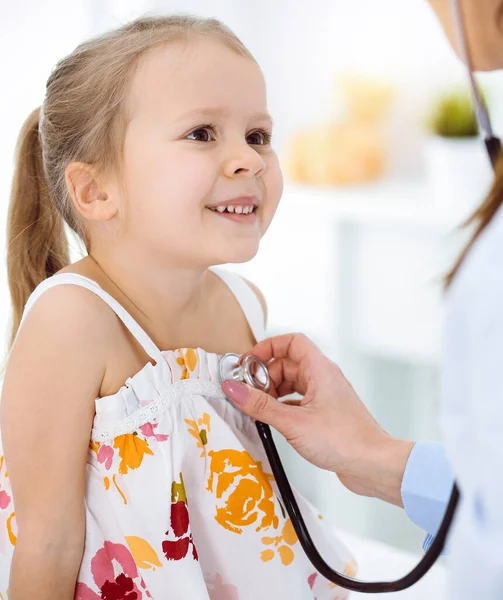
(386, 201)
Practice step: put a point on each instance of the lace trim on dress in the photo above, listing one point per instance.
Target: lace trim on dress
(145, 414)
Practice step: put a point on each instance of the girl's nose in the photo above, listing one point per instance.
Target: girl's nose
(244, 160)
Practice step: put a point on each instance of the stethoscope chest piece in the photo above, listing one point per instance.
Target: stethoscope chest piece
(251, 371)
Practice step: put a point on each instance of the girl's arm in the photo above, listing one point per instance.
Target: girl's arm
(53, 376)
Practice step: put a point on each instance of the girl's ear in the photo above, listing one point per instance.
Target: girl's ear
(89, 197)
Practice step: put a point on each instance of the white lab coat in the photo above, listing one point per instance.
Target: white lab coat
(472, 417)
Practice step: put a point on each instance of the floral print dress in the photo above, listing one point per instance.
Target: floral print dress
(180, 500)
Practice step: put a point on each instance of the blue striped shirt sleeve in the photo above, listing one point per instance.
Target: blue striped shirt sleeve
(426, 487)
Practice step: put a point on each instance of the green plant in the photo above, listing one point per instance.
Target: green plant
(453, 116)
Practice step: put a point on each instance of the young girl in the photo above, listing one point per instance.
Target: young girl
(131, 474)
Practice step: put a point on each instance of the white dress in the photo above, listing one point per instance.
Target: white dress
(180, 500)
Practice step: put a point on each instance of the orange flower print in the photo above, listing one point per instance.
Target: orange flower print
(243, 489)
(132, 449)
(282, 543)
(200, 430)
(188, 361)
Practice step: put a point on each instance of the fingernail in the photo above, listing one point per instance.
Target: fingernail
(236, 391)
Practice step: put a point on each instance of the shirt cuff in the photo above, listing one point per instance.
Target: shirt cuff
(426, 487)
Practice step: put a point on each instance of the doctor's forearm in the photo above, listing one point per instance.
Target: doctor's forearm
(379, 471)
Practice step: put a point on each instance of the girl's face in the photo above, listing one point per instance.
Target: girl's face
(198, 140)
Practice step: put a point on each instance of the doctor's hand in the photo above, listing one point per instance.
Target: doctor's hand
(330, 426)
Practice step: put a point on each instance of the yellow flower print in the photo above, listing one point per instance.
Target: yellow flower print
(200, 430)
(282, 542)
(244, 490)
(94, 446)
(143, 553)
(188, 361)
(132, 448)
(350, 569)
(11, 528)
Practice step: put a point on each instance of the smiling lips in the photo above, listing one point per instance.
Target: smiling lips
(241, 210)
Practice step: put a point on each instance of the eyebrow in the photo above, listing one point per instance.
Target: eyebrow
(221, 112)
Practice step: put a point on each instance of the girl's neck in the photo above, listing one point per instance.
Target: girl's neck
(168, 303)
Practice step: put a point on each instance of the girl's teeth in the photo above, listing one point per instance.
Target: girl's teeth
(244, 210)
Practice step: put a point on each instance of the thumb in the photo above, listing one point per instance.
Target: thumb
(258, 404)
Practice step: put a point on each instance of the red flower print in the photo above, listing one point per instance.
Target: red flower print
(106, 455)
(179, 518)
(148, 431)
(4, 499)
(176, 550)
(179, 548)
(4, 496)
(115, 574)
(120, 589)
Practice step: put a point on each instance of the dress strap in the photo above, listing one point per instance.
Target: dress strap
(74, 279)
(247, 299)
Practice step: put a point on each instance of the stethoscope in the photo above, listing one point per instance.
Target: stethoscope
(254, 372)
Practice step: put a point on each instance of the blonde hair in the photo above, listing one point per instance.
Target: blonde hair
(81, 119)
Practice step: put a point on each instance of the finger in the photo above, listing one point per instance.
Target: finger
(284, 378)
(282, 371)
(287, 388)
(260, 405)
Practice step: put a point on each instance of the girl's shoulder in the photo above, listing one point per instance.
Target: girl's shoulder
(69, 316)
(66, 308)
(249, 296)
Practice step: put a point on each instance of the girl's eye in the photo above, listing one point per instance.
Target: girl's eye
(203, 134)
(259, 138)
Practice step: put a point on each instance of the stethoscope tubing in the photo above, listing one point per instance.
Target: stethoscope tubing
(356, 585)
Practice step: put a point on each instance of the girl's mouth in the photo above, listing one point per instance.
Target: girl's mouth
(237, 213)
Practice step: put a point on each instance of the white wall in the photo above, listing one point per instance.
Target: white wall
(33, 37)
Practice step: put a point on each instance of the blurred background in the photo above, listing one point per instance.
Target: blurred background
(382, 164)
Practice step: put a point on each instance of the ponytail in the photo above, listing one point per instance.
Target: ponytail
(37, 246)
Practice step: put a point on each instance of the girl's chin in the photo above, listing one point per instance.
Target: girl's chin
(238, 255)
